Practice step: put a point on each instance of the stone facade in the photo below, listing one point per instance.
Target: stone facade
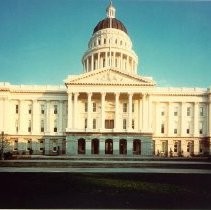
(107, 110)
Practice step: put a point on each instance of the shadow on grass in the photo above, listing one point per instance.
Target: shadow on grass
(65, 190)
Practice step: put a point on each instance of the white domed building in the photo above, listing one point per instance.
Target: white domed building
(108, 109)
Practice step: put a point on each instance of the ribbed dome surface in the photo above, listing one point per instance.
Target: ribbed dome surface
(105, 23)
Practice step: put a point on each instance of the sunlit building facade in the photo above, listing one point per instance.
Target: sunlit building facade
(108, 109)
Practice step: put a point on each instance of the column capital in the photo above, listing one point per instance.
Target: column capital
(117, 94)
(103, 94)
(89, 93)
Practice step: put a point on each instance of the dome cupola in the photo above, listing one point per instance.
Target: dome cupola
(110, 46)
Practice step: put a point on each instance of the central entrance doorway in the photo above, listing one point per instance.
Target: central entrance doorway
(123, 147)
(109, 147)
(95, 146)
(137, 147)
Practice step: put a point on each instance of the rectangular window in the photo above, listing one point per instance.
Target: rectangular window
(176, 147)
(29, 126)
(188, 128)
(54, 147)
(16, 108)
(175, 131)
(94, 107)
(55, 109)
(16, 144)
(55, 126)
(175, 111)
(201, 111)
(85, 123)
(29, 144)
(30, 109)
(162, 128)
(124, 107)
(42, 126)
(124, 124)
(94, 123)
(16, 125)
(133, 107)
(42, 108)
(86, 107)
(188, 111)
(162, 111)
(41, 145)
(109, 124)
(201, 128)
(133, 124)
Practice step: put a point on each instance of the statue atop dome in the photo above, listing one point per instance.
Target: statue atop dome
(110, 11)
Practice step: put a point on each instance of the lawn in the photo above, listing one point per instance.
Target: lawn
(66, 190)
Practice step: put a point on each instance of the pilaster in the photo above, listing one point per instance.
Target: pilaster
(102, 146)
(60, 115)
(196, 119)
(70, 112)
(75, 113)
(35, 117)
(116, 146)
(89, 111)
(130, 97)
(88, 146)
(103, 111)
(129, 147)
(183, 115)
(116, 111)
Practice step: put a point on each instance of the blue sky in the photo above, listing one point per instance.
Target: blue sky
(43, 41)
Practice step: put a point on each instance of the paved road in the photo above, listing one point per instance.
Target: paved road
(105, 170)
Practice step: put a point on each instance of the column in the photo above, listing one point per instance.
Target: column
(144, 114)
(60, 129)
(88, 146)
(116, 146)
(130, 98)
(98, 60)
(89, 111)
(183, 115)
(75, 112)
(92, 62)
(121, 61)
(35, 117)
(196, 146)
(196, 119)
(149, 114)
(22, 114)
(169, 120)
(70, 109)
(6, 114)
(129, 147)
(102, 146)
(127, 63)
(47, 146)
(106, 59)
(103, 111)
(140, 115)
(117, 111)
(48, 120)
(157, 119)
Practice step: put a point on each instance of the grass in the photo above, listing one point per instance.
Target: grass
(95, 191)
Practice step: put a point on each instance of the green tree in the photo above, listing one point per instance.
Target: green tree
(4, 145)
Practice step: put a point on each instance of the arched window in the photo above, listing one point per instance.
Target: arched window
(81, 146)
(109, 146)
(136, 147)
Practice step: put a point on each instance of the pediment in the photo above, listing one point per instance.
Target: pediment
(109, 77)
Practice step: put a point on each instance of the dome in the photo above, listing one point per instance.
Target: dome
(105, 23)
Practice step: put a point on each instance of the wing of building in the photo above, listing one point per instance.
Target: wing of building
(108, 109)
